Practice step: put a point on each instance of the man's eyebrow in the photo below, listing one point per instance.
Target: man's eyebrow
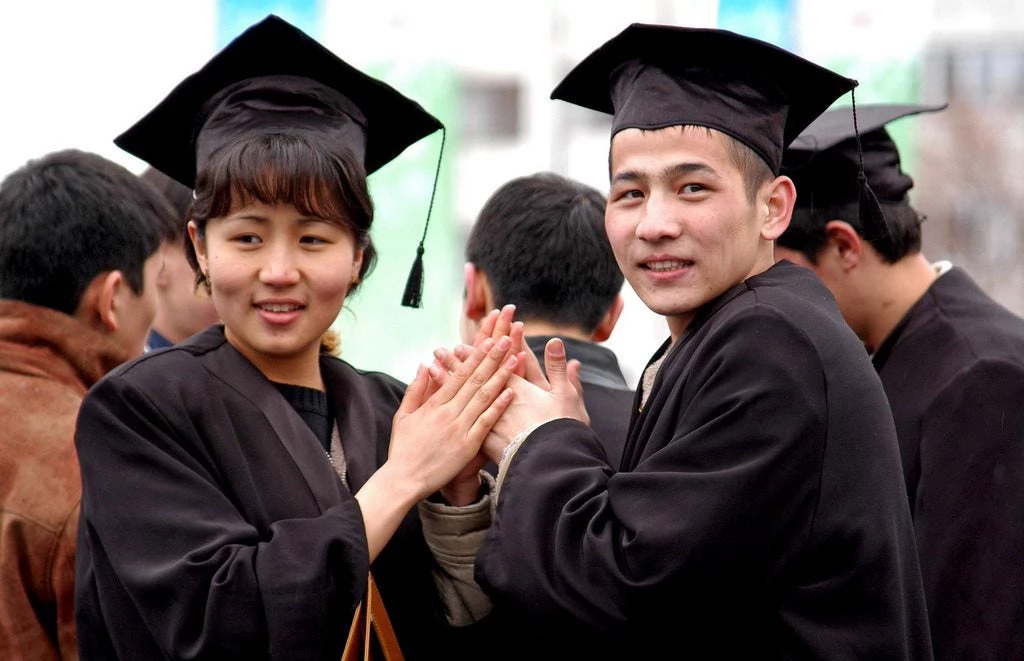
(694, 167)
(670, 172)
(627, 176)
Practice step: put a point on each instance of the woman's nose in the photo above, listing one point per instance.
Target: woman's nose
(280, 267)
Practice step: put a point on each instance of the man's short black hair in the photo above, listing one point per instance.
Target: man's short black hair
(70, 216)
(807, 233)
(540, 240)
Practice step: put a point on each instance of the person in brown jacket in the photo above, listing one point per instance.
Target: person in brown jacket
(79, 255)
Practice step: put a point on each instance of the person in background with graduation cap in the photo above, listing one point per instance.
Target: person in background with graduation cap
(238, 487)
(758, 510)
(951, 361)
(181, 310)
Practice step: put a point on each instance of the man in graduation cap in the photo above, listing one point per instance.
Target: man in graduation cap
(758, 510)
(951, 361)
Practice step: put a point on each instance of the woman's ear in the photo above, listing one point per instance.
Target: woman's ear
(199, 245)
(357, 266)
(776, 207)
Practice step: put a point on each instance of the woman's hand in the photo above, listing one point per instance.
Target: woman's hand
(434, 436)
(438, 430)
(498, 324)
(536, 400)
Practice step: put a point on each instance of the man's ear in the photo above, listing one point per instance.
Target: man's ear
(102, 301)
(163, 276)
(478, 300)
(776, 207)
(845, 243)
(608, 321)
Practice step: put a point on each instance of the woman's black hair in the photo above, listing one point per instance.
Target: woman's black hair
(273, 168)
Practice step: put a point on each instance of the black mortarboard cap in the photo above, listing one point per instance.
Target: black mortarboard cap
(824, 160)
(654, 76)
(274, 77)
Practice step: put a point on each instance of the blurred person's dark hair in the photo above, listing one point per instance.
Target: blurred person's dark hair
(69, 216)
(808, 235)
(824, 162)
(178, 196)
(540, 240)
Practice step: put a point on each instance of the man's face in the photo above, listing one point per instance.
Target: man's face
(140, 308)
(186, 312)
(679, 220)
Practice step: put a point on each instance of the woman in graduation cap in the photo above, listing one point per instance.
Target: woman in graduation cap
(238, 488)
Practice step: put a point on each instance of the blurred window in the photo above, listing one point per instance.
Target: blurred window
(976, 72)
(491, 110)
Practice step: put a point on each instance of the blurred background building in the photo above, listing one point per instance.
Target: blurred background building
(77, 73)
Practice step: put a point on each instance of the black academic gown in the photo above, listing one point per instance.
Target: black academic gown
(759, 510)
(954, 373)
(213, 524)
(608, 399)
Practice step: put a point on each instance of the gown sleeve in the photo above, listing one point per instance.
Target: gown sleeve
(163, 528)
(729, 463)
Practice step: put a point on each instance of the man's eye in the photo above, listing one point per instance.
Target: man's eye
(692, 188)
(631, 194)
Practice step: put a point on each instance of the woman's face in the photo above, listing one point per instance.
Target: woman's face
(278, 280)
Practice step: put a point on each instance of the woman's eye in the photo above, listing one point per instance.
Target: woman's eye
(248, 239)
(313, 240)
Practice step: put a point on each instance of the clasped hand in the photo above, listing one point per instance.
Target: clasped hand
(535, 398)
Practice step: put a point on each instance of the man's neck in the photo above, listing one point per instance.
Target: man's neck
(539, 327)
(163, 323)
(898, 288)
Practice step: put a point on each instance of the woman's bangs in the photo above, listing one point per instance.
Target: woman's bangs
(278, 172)
(300, 177)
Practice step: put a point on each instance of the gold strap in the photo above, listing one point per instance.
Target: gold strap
(371, 621)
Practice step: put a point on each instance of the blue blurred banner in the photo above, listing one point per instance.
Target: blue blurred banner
(234, 16)
(768, 20)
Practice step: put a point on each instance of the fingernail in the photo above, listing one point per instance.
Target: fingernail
(461, 351)
(557, 349)
(504, 343)
(435, 371)
(511, 362)
(487, 345)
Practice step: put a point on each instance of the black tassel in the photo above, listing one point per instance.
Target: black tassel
(872, 220)
(413, 296)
